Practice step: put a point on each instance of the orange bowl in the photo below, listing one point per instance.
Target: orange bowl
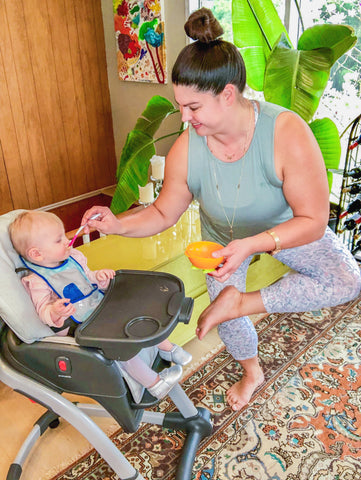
(200, 254)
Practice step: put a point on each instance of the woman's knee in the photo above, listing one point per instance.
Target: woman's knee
(353, 282)
(348, 285)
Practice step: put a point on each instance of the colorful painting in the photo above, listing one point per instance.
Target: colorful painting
(139, 32)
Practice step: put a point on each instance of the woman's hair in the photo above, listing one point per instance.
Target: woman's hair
(209, 63)
(25, 230)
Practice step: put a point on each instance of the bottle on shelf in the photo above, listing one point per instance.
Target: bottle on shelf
(355, 143)
(352, 207)
(357, 247)
(352, 189)
(354, 173)
(351, 223)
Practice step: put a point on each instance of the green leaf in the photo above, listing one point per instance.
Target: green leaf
(327, 136)
(339, 38)
(256, 26)
(138, 150)
(292, 78)
(157, 109)
(135, 170)
(296, 79)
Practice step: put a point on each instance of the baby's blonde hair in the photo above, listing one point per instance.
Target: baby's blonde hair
(24, 231)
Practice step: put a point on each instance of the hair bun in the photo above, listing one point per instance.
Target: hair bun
(203, 26)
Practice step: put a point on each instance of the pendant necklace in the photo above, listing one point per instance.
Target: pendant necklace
(230, 157)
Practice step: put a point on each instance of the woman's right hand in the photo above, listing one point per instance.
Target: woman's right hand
(106, 223)
(234, 255)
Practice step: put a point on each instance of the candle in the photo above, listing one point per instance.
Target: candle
(157, 167)
(146, 194)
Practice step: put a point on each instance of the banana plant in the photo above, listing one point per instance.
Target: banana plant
(138, 150)
(294, 78)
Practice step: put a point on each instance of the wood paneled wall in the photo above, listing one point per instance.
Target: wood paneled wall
(56, 135)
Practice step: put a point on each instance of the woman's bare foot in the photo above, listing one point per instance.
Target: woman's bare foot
(241, 392)
(225, 307)
(230, 303)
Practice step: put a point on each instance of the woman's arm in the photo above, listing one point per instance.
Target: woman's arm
(299, 164)
(172, 201)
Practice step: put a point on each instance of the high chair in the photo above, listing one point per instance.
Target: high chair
(139, 310)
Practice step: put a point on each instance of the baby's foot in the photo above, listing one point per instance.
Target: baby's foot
(168, 378)
(177, 355)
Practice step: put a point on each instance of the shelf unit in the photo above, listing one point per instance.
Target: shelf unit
(353, 161)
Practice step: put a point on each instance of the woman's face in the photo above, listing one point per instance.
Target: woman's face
(203, 110)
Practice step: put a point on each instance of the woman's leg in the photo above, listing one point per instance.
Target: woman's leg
(326, 275)
(238, 335)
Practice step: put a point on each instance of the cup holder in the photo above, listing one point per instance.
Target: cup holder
(141, 327)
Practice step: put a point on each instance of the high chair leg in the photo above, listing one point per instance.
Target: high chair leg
(38, 429)
(72, 414)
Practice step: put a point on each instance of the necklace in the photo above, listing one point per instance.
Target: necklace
(230, 157)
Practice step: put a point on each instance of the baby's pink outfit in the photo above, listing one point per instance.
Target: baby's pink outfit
(43, 296)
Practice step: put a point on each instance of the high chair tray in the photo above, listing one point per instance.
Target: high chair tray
(140, 309)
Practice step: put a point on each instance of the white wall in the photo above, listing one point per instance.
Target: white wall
(128, 99)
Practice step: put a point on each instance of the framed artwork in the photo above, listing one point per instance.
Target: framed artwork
(140, 39)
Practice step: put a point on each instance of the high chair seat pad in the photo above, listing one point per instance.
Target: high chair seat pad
(16, 308)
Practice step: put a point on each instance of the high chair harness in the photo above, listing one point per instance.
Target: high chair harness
(69, 280)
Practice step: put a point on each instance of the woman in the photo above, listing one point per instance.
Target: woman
(259, 177)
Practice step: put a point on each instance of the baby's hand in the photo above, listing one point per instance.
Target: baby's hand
(105, 274)
(61, 309)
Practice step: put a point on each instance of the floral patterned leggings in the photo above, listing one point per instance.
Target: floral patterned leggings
(325, 275)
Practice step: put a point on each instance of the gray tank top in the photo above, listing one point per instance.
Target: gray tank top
(260, 204)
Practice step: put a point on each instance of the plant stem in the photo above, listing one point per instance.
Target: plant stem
(155, 141)
(168, 135)
(299, 15)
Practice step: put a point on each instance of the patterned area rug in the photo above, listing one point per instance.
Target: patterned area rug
(303, 423)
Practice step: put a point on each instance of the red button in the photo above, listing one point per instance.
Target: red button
(62, 365)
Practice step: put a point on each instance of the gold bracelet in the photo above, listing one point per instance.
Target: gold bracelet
(277, 242)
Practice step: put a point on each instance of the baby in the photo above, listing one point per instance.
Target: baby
(65, 291)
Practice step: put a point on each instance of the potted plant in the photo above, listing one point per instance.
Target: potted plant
(294, 78)
(138, 150)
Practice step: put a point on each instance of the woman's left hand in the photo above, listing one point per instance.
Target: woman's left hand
(234, 255)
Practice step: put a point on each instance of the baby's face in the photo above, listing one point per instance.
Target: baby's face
(53, 244)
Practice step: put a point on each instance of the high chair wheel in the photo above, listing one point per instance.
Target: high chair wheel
(55, 423)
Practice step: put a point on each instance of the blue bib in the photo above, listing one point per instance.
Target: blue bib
(68, 280)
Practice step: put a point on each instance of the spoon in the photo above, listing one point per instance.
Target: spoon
(71, 243)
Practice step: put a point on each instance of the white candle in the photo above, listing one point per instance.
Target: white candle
(157, 167)
(146, 194)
